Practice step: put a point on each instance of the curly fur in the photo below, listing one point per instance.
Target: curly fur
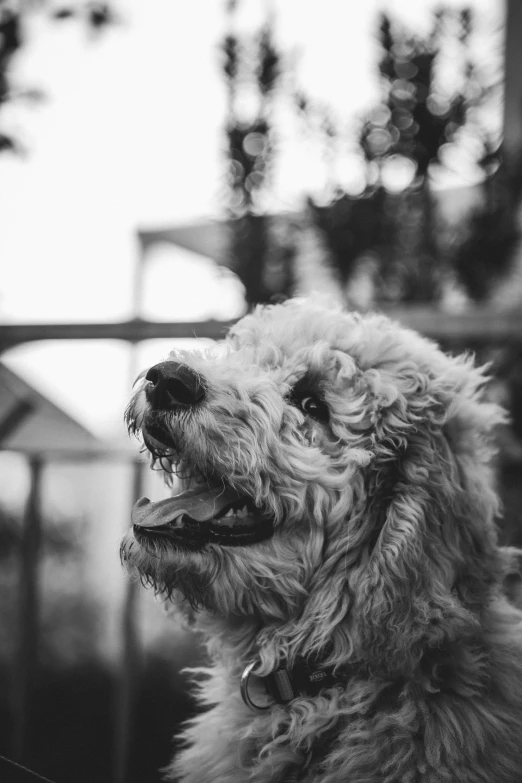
(383, 556)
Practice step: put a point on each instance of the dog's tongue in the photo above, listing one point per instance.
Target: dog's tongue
(199, 503)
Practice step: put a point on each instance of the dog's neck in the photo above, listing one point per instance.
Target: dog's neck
(242, 648)
(234, 642)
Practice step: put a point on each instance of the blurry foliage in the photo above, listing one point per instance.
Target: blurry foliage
(485, 253)
(263, 264)
(416, 118)
(10, 41)
(69, 617)
(388, 234)
(72, 724)
(424, 120)
(416, 125)
(74, 689)
(95, 15)
(72, 710)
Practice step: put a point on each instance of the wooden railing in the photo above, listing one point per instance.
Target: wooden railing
(483, 325)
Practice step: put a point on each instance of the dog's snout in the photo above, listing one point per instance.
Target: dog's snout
(173, 385)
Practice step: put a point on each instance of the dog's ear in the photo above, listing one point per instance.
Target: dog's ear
(432, 554)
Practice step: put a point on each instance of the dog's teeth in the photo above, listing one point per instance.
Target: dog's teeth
(242, 512)
(230, 513)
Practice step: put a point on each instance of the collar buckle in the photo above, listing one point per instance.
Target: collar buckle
(306, 678)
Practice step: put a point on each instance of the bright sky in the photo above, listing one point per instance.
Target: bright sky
(131, 135)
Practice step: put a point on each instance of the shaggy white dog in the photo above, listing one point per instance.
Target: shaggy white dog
(334, 542)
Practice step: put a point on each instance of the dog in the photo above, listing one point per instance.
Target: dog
(333, 540)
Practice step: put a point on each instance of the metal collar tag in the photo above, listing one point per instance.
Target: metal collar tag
(243, 687)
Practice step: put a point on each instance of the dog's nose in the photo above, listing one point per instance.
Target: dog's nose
(173, 385)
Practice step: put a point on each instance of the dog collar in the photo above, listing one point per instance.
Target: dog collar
(305, 678)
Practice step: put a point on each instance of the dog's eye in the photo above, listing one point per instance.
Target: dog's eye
(314, 408)
(303, 397)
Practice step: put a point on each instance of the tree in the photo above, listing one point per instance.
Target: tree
(417, 124)
(96, 15)
(10, 41)
(263, 264)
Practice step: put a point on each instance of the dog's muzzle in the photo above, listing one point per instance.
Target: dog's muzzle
(210, 510)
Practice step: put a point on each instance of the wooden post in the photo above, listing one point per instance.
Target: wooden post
(513, 83)
(130, 671)
(28, 616)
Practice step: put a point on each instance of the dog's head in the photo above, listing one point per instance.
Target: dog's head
(333, 483)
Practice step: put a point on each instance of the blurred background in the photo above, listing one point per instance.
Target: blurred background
(164, 166)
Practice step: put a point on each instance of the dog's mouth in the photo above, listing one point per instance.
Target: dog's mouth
(211, 511)
(157, 439)
(203, 515)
